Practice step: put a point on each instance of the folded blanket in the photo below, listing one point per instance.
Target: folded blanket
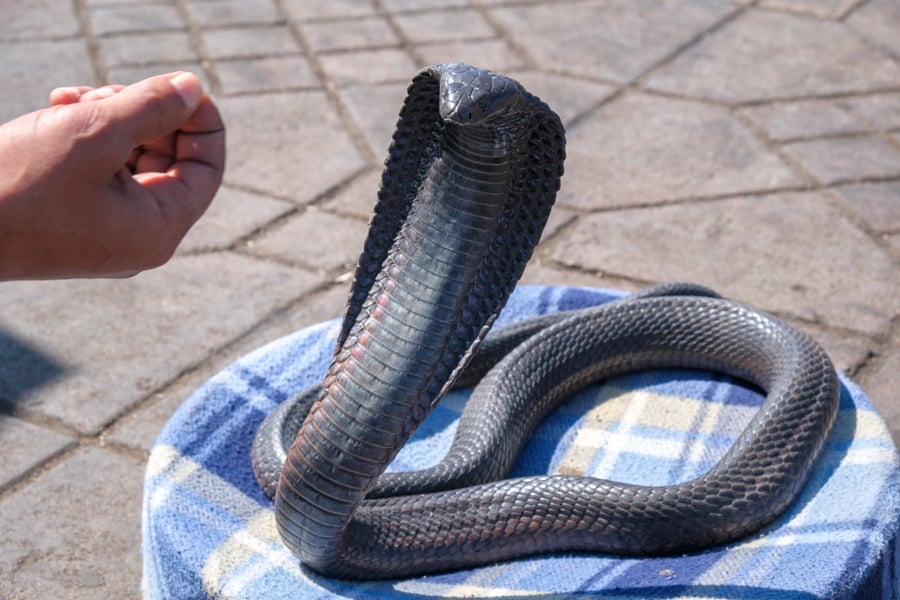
(208, 531)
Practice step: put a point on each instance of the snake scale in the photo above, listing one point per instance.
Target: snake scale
(470, 178)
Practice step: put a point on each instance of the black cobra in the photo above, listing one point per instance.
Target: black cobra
(470, 178)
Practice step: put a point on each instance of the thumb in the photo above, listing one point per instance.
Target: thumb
(149, 109)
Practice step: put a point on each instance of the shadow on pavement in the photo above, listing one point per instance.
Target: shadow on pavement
(23, 369)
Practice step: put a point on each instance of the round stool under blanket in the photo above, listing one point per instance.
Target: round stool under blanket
(208, 530)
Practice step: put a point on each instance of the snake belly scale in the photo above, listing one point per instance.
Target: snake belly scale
(471, 176)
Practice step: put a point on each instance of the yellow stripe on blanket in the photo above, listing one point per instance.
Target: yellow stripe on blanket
(611, 424)
(228, 571)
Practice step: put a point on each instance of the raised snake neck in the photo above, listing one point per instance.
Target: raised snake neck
(471, 176)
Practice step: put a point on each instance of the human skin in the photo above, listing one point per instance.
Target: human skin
(106, 182)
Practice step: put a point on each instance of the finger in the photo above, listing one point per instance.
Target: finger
(152, 161)
(198, 161)
(101, 93)
(68, 95)
(163, 147)
(200, 154)
(209, 148)
(133, 158)
(200, 139)
(183, 189)
(182, 193)
(153, 107)
(205, 119)
(177, 206)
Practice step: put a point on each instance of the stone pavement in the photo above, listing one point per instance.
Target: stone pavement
(750, 146)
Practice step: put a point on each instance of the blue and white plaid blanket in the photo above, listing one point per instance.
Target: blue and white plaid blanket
(208, 531)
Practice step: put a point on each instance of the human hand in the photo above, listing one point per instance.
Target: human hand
(106, 182)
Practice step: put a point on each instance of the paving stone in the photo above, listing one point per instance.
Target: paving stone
(323, 9)
(567, 96)
(106, 20)
(75, 532)
(217, 13)
(32, 68)
(402, 5)
(249, 41)
(28, 20)
(641, 149)
(894, 240)
(443, 25)
(804, 119)
(882, 111)
(358, 198)
(25, 446)
(494, 55)
(819, 8)
(375, 109)
(846, 352)
(123, 339)
(543, 272)
(559, 218)
(369, 66)
(139, 429)
(612, 39)
(136, 49)
(878, 203)
(316, 240)
(288, 145)
(349, 34)
(737, 62)
(322, 305)
(879, 21)
(271, 73)
(832, 160)
(881, 379)
(232, 215)
(793, 254)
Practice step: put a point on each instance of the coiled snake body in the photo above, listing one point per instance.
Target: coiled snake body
(471, 176)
